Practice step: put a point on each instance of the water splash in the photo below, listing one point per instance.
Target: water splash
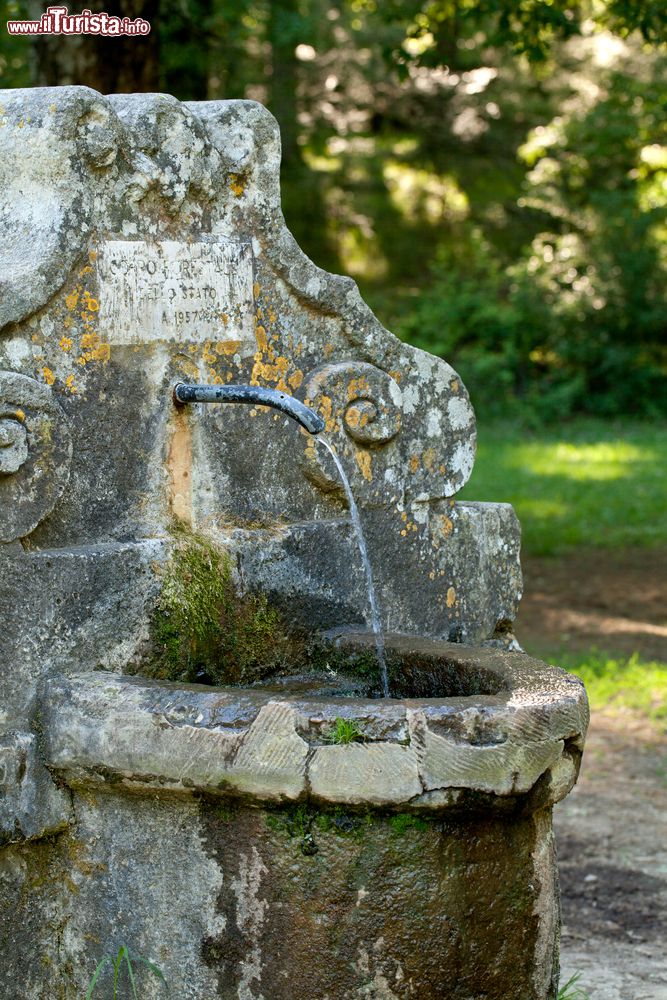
(361, 541)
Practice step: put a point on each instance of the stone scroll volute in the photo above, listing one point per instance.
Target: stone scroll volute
(391, 455)
(35, 454)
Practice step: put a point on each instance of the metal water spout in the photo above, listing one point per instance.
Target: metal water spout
(253, 394)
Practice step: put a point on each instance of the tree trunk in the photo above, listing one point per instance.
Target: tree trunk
(123, 64)
(284, 75)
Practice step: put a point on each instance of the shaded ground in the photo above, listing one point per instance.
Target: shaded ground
(612, 829)
(613, 599)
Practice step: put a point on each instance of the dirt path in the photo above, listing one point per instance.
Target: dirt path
(615, 600)
(612, 830)
(612, 848)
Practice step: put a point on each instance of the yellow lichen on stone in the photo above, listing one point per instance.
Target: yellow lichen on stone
(237, 184)
(70, 384)
(443, 525)
(363, 460)
(414, 463)
(296, 379)
(326, 410)
(227, 347)
(260, 334)
(72, 299)
(49, 377)
(357, 388)
(207, 354)
(429, 459)
(451, 597)
(66, 344)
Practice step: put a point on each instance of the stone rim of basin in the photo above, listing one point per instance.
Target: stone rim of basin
(423, 753)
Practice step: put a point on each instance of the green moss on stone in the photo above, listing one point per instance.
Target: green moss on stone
(402, 822)
(203, 629)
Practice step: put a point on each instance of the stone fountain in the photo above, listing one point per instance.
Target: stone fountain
(194, 759)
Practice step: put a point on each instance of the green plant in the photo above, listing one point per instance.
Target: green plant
(344, 731)
(571, 991)
(621, 682)
(203, 628)
(402, 822)
(122, 960)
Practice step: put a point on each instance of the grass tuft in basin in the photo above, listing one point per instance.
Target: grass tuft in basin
(344, 731)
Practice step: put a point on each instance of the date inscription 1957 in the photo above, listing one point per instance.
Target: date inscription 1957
(174, 291)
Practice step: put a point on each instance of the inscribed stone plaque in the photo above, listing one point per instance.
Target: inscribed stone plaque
(176, 291)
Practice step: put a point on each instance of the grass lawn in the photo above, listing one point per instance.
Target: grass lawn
(620, 683)
(588, 483)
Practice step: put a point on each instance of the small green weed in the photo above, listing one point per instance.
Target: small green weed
(344, 731)
(571, 991)
(122, 960)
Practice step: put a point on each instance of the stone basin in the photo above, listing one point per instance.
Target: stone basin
(494, 722)
(414, 861)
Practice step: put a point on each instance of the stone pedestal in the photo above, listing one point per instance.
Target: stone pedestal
(233, 836)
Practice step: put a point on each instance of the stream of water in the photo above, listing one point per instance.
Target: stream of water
(361, 542)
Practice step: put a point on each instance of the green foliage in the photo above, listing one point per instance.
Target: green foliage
(571, 991)
(427, 28)
(576, 323)
(621, 682)
(589, 483)
(302, 822)
(344, 731)
(204, 630)
(15, 52)
(123, 960)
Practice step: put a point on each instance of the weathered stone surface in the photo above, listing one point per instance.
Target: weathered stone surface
(35, 454)
(467, 555)
(129, 871)
(163, 255)
(228, 905)
(68, 609)
(30, 804)
(359, 774)
(251, 742)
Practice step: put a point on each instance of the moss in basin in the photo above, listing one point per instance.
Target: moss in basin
(203, 629)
